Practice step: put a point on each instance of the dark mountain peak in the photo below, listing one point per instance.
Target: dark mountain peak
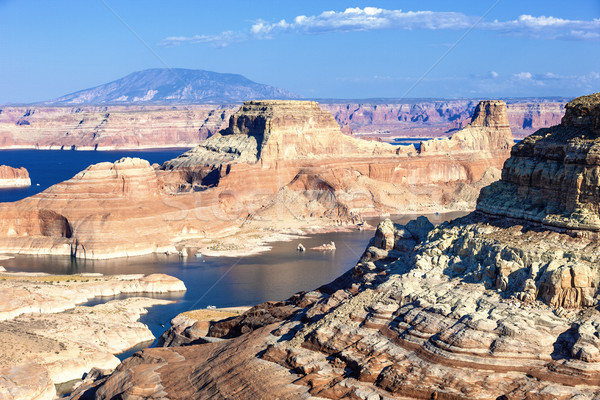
(175, 86)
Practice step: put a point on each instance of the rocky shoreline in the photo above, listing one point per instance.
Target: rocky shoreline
(46, 339)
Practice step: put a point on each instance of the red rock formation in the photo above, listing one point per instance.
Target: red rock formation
(437, 118)
(13, 177)
(136, 127)
(110, 128)
(484, 306)
(279, 165)
(552, 175)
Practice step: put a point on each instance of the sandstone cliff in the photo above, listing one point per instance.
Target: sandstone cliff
(485, 306)
(437, 118)
(279, 165)
(120, 127)
(552, 175)
(109, 128)
(14, 177)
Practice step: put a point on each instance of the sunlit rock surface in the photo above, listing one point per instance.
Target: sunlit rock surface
(485, 306)
(14, 177)
(280, 166)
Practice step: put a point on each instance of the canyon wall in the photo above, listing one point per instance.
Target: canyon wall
(437, 118)
(14, 177)
(278, 166)
(553, 176)
(138, 127)
(492, 305)
(109, 127)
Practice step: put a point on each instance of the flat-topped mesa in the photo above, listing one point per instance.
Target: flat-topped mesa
(14, 177)
(489, 130)
(272, 130)
(553, 175)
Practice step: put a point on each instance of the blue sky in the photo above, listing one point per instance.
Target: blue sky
(319, 49)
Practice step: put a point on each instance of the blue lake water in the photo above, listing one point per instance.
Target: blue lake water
(218, 281)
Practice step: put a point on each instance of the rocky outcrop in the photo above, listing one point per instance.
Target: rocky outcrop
(46, 293)
(14, 177)
(279, 166)
(489, 129)
(485, 306)
(275, 131)
(552, 176)
(42, 346)
(406, 322)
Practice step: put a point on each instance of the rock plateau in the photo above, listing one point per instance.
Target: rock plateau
(491, 305)
(279, 165)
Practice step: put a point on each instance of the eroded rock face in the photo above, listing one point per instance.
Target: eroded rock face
(113, 127)
(437, 118)
(488, 131)
(410, 320)
(484, 306)
(46, 340)
(110, 127)
(14, 177)
(552, 176)
(277, 130)
(280, 165)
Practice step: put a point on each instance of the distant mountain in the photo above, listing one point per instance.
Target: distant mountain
(175, 86)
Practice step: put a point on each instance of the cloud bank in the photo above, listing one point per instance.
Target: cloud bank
(371, 18)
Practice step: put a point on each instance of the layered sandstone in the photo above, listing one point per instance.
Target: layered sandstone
(49, 297)
(552, 176)
(437, 118)
(279, 166)
(118, 127)
(405, 322)
(109, 127)
(46, 340)
(485, 306)
(14, 177)
(488, 129)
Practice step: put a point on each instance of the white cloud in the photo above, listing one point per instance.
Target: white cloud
(371, 18)
(548, 28)
(220, 40)
(494, 74)
(523, 76)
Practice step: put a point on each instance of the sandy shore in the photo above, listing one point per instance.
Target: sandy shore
(43, 345)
